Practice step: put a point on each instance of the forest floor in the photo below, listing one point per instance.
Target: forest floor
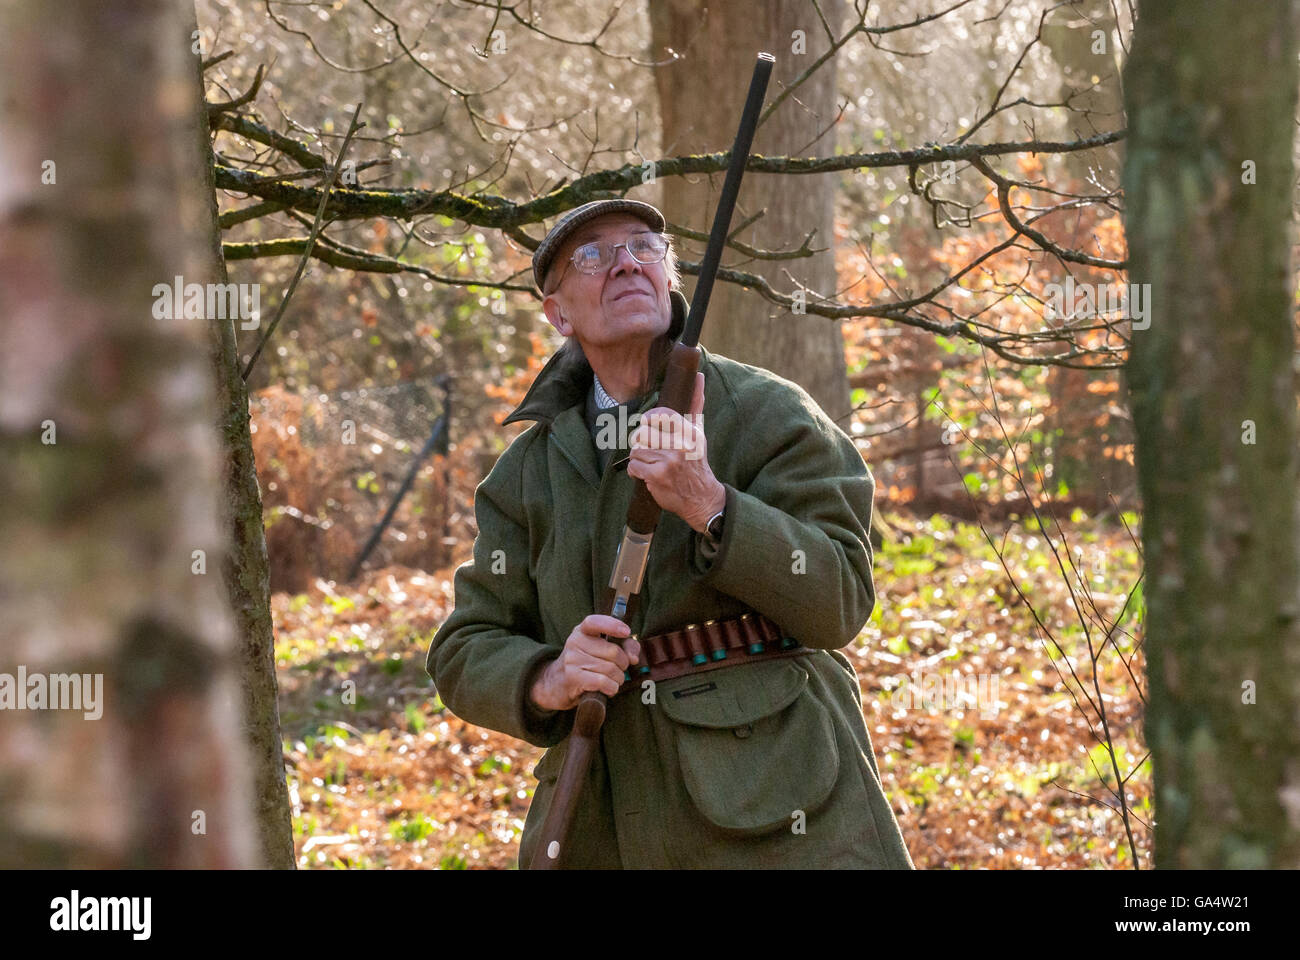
(988, 733)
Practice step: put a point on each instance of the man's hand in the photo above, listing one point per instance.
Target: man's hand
(589, 662)
(668, 452)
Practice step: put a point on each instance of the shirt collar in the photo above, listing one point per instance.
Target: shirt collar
(603, 399)
(567, 376)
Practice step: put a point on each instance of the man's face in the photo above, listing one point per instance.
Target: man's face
(628, 302)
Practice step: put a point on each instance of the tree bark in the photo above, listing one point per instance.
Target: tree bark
(1208, 89)
(1071, 33)
(700, 100)
(1082, 39)
(99, 572)
(245, 568)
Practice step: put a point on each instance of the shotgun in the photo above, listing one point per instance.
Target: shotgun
(643, 513)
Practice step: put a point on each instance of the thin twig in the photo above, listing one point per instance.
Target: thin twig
(353, 127)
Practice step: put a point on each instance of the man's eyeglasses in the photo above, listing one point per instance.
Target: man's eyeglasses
(598, 256)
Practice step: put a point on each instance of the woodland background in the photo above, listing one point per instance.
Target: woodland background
(906, 290)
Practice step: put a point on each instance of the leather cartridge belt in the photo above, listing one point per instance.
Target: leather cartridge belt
(698, 647)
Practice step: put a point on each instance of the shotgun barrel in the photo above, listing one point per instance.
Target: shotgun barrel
(643, 513)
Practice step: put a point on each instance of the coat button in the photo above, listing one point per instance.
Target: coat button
(744, 731)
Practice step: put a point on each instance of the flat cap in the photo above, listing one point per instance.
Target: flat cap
(576, 217)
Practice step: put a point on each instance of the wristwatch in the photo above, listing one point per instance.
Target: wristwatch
(713, 530)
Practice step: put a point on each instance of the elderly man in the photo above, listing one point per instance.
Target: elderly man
(734, 735)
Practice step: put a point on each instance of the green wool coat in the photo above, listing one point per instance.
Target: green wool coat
(767, 764)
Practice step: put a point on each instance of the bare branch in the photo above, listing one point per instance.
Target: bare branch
(498, 212)
(214, 60)
(353, 126)
(1004, 203)
(348, 257)
(214, 109)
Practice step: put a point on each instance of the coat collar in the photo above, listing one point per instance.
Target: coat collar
(567, 376)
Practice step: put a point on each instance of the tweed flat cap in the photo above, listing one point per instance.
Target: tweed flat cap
(576, 217)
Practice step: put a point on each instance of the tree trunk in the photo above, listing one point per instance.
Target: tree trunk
(1081, 36)
(245, 568)
(700, 101)
(111, 484)
(1082, 39)
(1208, 89)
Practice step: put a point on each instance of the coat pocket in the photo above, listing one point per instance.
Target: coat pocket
(754, 746)
(548, 768)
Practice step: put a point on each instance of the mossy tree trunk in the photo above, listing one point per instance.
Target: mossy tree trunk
(1211, 96)
(700, 99)
(246, 568)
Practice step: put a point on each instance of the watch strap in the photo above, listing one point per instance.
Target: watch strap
(708, 527)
